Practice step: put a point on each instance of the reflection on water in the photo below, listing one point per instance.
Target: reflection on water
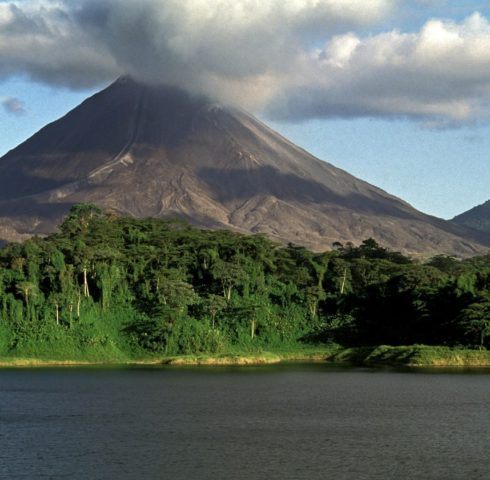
(271, 422)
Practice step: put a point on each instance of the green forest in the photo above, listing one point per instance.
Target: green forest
(109, 287)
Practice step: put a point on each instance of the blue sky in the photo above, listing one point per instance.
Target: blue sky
(400, 99)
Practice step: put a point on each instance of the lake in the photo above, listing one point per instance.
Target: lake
(271, 422)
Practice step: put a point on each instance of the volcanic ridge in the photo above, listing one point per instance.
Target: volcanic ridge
(155, 151)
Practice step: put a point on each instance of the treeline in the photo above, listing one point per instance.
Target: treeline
(109, 286)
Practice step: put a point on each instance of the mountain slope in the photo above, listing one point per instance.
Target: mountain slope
(156, 151)
(477, 217)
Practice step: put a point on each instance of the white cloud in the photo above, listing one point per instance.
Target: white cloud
(440, 74)
(262, 54)
(176, 41)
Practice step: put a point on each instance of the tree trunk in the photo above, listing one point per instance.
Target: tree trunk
(79, 299)
(85, 283)
(344, 278)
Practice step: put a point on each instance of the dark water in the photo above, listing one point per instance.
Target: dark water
(282, 422)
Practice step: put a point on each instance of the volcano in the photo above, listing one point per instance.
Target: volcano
(477, 217)
(155, 151)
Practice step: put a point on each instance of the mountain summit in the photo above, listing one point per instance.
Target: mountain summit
(477, 217)
(157, 151)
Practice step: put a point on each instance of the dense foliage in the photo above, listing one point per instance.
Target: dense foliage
(110, 287)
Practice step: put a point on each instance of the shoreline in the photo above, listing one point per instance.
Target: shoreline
(415, 356)
(265, 358)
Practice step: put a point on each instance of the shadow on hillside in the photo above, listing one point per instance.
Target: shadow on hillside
(32, 217)
(17, 184)
(240, 184)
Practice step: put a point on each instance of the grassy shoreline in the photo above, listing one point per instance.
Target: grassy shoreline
(383, 355)
(412, 356)
(302, 353)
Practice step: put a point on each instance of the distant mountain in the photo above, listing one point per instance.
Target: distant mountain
(478, 217)
(157, 151)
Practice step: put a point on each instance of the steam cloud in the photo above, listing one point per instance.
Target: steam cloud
(294, 59)
(13, 105)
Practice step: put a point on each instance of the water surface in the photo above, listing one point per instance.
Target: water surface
(268, 422)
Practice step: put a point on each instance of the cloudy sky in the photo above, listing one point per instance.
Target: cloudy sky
(396, 92)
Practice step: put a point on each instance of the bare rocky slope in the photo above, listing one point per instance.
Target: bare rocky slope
(477, 217)
(156, 151)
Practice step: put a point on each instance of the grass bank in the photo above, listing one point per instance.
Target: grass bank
(412, 356)
(259, 357)
(301, 353)
(383, 355)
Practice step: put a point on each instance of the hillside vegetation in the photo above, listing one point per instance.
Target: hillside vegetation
(110, 288)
